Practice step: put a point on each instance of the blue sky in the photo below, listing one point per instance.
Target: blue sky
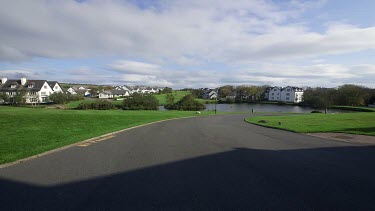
(196, 43)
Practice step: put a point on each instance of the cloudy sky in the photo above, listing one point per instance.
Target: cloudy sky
(192, 43)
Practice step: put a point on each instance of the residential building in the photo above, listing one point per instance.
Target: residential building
(210, 94)
(110, 94)
(291, 94)
(55, 86)
(274, 94)
(35, 91)
(286, 94)
(81, 90)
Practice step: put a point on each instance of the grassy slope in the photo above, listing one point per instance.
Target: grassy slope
(178, 95)
(29, 131)
(355, 123)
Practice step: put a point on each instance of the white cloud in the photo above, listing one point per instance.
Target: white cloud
(241, 35)
(328, 75)
(134, 67)
(230, 32)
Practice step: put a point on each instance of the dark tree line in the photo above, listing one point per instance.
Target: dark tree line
(345, 95)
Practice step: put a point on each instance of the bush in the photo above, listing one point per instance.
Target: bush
(96, 105)
(263, 121)
(316, 112)
(187, 103)
(62, 98)
(140, 102)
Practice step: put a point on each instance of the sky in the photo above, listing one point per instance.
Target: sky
(190, 43)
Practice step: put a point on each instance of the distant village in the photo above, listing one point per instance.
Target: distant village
(38, 91)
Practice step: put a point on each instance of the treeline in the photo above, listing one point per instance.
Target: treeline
(345, 95)
(251, 93)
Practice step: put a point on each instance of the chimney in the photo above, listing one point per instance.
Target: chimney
(23, 81)
(3, 80)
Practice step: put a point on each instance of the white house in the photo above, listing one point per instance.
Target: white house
(55, 86)
(274, 94)
(72, 91)
(291, 94)
(105, 95)
(113, 93)
(287, 94)
(79, 90)
(36, 91)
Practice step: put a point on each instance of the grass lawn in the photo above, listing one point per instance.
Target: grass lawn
(355, 123)
(29, 131)
(74, 104)
(178, 95)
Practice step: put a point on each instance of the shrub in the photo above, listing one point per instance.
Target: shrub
(187, 103)
(62, 98)
(317, 112)
(140, 102)
(96, 105)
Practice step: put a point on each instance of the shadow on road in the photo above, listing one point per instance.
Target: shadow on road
(325, 178)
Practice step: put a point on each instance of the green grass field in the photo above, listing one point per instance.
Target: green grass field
(354, 123)
(74, 104)
(30, 131)
(178, 95)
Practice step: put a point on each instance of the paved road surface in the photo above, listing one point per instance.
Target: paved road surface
(205, 163)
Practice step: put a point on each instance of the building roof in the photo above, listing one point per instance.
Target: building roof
(118, 92)
(52, 83)
(36, 85)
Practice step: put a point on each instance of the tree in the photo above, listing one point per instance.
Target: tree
(93, 90)
(351, 95)
(140, 102)
(58, 98)
(4, 97)
(187, 103)
(169, 98)
(166, 90)
(19, 98)
(62, 98)
(225, 90)
(320, 97)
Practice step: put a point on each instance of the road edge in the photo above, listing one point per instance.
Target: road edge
(88, 140)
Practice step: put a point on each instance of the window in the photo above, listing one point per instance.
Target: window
(43, 93)
(273, 98)
(33, 100)
(273, 93)
(287, 98)
(288, 90)
(56, 87)
(278, 93)
(45, 86)
(287, 94)
(13, 86)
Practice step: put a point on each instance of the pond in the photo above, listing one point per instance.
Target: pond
(244, 107)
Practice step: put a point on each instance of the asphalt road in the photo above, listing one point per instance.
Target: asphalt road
(205, 163)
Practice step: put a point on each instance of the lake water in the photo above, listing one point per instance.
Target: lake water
(244, 107)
